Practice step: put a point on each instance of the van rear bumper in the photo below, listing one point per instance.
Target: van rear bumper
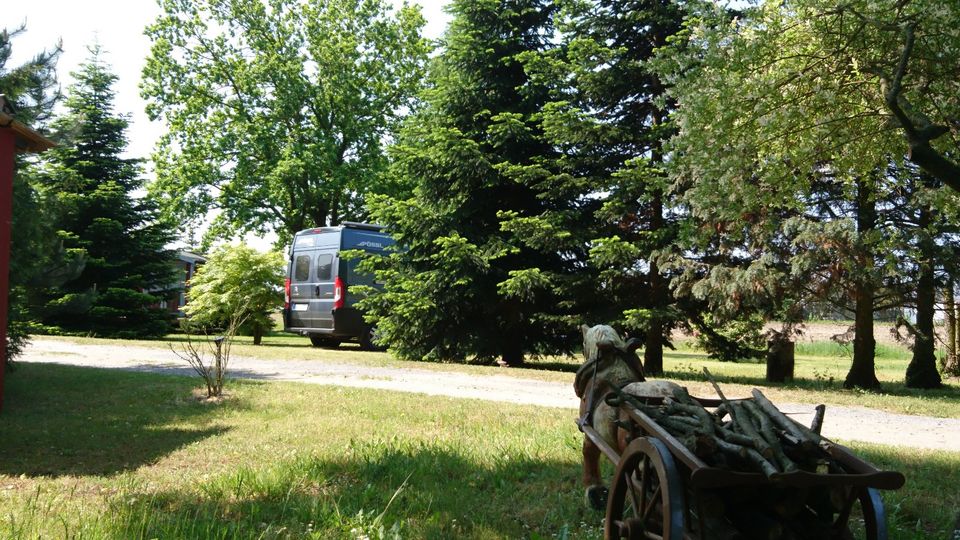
(348, 324)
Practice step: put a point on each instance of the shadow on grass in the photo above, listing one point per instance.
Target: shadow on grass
(418, 492)
(64, 420)
(922, 508)
(948, 391)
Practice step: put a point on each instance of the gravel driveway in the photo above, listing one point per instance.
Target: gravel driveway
(846, 423)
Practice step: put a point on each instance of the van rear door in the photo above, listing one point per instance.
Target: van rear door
(322, 304)
(302, 289)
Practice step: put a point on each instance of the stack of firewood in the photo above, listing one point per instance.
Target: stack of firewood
(748, 435)
(751, 435)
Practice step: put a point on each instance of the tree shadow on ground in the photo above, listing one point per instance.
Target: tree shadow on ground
(64, 420)
(418, 492)
(422, 491)
(565, 367)
(921, 508)
(948, 391)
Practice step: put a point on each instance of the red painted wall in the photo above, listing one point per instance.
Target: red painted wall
(7, 140)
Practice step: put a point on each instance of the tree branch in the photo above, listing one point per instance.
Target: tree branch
(919, 131)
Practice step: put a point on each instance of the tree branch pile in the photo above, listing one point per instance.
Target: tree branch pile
(751, 436)
(745, 435)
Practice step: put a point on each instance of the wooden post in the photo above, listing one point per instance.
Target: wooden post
(7, 149)
(780, 359)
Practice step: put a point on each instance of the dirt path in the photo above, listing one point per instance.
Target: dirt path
(845, 423)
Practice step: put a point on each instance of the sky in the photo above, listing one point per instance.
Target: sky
(118, 27)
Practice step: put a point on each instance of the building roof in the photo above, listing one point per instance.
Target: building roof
(189, 256)
(27, 140)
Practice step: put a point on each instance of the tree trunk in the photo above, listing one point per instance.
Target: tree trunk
(863, 371)
(922, 371)
(780, 360)
(952, 365)
(653, 346)
(950, 326)
(511, 338)
(257, 335)
(512, 354)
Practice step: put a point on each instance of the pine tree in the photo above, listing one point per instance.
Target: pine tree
(465, 285)
(93, 190)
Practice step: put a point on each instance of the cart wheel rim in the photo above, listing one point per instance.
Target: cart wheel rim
(652, 461)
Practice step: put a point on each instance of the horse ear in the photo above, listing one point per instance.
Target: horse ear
(633, 344)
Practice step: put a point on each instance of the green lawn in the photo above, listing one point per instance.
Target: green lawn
(90, 453)
(820, 370)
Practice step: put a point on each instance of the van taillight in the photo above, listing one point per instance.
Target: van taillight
(338, 293)
(286, 293)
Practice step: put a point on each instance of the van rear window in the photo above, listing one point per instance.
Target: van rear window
(305, 241)
(301, 268)
(324, 267)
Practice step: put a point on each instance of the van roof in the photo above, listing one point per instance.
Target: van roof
(342, 226)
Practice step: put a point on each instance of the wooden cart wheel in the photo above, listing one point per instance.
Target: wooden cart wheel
(646, 496)
(847, 524)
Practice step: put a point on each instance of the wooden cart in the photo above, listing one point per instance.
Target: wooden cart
(661, 490)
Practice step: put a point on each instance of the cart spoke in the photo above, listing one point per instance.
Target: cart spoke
(651, 504)
(644, 486)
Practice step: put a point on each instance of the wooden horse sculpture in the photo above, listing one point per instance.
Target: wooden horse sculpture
(609, 362)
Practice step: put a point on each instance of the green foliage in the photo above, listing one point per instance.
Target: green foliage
(278, 111)
(608, 114)
(31, 87)
(90, 192)
(813, 82)
(237, 283)
(797, 187)
(488, 259)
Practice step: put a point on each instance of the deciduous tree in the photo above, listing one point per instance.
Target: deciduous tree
(237, 285)
(806, 81)
(278, 111)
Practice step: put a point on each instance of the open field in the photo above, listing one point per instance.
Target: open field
(92, 453)
(820, 370)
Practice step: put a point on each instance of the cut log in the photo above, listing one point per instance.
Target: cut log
(734, 437)
(817, 422)
(761, 463)
(732, 449)
(744, 422)
(768, 433)
(808, 439)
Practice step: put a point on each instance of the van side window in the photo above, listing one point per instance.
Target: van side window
(301, 268)
(324, 267)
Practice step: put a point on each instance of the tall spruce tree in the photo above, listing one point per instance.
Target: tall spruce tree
(465, 285)
(610, 115)
(93, 190)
